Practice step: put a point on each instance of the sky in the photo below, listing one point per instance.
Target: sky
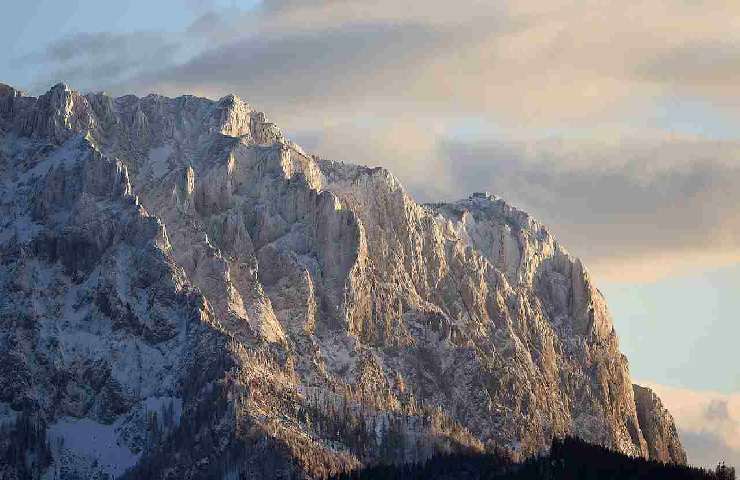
(612, 122)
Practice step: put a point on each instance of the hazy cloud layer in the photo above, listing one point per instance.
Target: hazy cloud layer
(635, 210)
(469, 90)
(709, 424)
(522, 63)
(307, 69)
(102, 59)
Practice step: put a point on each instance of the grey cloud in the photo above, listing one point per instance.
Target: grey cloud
(617, 205)
(708, 441)
(507, 60)
(703, 63)
(708, 423)
(74, 46)
(292, 55)
(310, 68)
(97, 60)
(708, 449)
(718, 411)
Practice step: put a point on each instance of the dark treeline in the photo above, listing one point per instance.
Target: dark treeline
(24, 449)
(569, 459)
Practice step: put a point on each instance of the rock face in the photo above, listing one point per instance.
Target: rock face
(182, 280)
(657, 426)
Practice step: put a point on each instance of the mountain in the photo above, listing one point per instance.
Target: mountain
(188, 294)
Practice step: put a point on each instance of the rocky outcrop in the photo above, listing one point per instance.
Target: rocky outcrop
(658, 427)
(279, 309)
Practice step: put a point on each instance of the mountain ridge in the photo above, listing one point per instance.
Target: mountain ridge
(318, 283)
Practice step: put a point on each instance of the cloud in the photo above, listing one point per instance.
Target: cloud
(325, 68)
(97, 60)
(702, 63)
(522, 63)
(634, 209)
(567, 100)
(708, 422)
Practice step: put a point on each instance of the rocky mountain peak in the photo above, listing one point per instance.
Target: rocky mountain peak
(180, 259)
(9, 91)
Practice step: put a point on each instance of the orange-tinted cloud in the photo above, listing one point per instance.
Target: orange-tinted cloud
(708, 422)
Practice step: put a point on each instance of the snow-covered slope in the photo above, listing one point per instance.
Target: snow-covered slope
(183, 282)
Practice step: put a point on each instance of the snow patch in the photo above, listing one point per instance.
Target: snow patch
(93, 441)
(158, 165)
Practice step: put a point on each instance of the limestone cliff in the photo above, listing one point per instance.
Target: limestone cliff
(181, 278)
(657, 425)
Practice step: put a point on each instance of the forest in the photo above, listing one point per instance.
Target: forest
(569, 459)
